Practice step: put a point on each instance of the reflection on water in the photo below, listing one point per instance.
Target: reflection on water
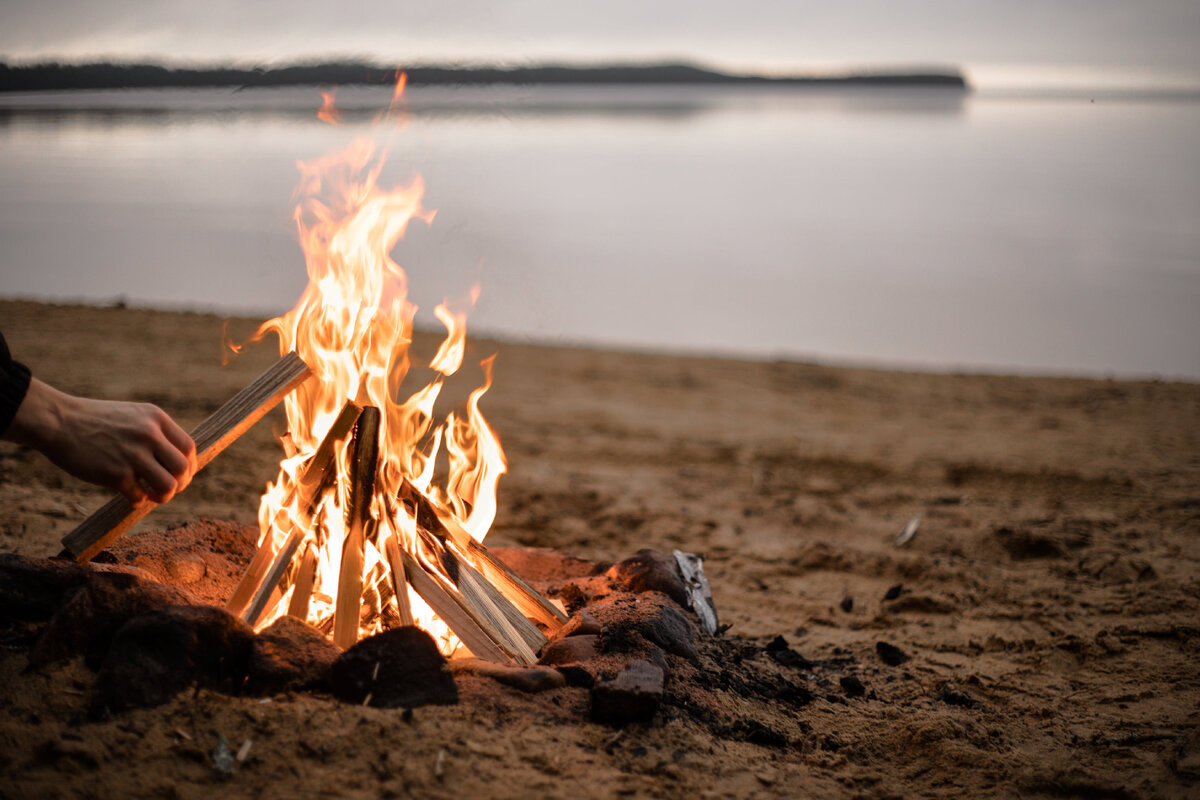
(916, 227)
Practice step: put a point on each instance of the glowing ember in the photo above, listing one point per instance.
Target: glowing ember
(353, 326)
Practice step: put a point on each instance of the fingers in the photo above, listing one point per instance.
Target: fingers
(132, 489)
(183, 443)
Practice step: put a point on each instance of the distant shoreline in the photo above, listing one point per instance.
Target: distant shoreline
(106, 75)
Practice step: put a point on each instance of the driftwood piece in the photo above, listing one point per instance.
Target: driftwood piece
(519, 593)
(314, 478)
(364, 464)
(211, 436)
(391, 550)
(305, 577)
(450, 609)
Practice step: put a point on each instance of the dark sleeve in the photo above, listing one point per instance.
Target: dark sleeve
(14, 382)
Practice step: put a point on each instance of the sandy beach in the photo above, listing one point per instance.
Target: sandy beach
(1049, 601)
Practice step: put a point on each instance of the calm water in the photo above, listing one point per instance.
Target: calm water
(912, 228)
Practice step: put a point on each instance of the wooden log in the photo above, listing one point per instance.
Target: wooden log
(298, 605)
(451, 611)
(364, 463)
(519, 593)
(211, 436)
(283, 559)
(391, 550)
(314, 478)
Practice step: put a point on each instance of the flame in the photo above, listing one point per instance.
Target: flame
(328, 112)
(353, 326)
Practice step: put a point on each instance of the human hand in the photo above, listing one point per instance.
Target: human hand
(135, 448)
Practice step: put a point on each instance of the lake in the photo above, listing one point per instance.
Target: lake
(907, 228)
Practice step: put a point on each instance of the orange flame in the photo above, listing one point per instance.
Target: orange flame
(353, 325)
(328, 112)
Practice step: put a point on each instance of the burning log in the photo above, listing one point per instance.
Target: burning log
(298, 606)
(212, 436)
(519, 593)
(314, 479)
(362, 492)
(399, 581)
(453, 612)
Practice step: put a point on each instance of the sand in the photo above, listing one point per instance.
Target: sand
(1049, 601)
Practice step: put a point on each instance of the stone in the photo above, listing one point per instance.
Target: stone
(159, 653)
(650, 571)
(399, 668)
(33, 589)
(571, 650)
(87, 623)
(581, 623)
(890, 654)
(531, 679)
(634, 695)
(187, 569)
(288, 655)
(670, 630)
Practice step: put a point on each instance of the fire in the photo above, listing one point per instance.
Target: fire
(353, 326)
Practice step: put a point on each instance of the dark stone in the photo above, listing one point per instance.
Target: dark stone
(852, 686)
(634, 695)
(847, 604)
(290, 654)
(156, 655)
(670, 630)
(890, 654)
(87, 623)
(32, 589)
(893, 592)
(782, 654)
(951, 695)
(399, 668)
(571, 650)
(577, 675)
(581, 623)
(650, 571)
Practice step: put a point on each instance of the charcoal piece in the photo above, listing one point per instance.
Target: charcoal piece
(571, 650)
(893, 592)
(32, 589)
(852, 686)
(650, 571)
(399, 668)
(890, 654)
(634, 695)
(782, 654)
(87, 623)
(847, 604)
(159, 653)
(951, 695)
(577, 675)
(287, 655)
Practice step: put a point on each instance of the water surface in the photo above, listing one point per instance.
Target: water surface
(905, 228)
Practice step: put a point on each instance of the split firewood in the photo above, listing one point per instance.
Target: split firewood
(211, 436)
(519, 593)
(451, 611)
(365, 462)
(305, 577)
(391, 550)
(315, 477)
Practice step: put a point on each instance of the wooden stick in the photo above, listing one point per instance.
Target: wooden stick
(283, 559)
(399, 582)
(298, 605)
(316, 476)
(211, 436)
(519, 593)
(365, 462)
(444, 603)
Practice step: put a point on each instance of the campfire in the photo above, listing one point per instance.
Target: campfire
(377, 516)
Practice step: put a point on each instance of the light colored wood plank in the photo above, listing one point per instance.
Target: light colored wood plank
(211, 436)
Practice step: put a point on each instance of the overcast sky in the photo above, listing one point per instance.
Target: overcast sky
(996, 41)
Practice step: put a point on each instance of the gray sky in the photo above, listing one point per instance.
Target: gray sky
(997, 41)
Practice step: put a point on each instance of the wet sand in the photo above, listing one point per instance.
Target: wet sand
(1053, 583)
